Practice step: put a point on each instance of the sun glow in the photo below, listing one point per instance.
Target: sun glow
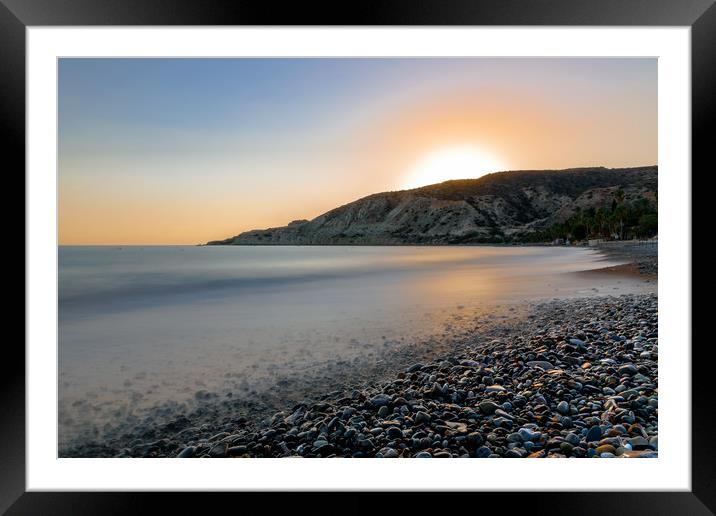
(452, 163)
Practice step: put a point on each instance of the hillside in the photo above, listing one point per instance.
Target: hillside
(501, 207)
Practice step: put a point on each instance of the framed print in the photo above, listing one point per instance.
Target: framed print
(290, 244)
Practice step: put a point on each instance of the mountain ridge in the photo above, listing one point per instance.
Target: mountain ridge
(502, 206)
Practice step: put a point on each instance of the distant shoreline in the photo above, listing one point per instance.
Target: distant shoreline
(611, 247)
(642, 259)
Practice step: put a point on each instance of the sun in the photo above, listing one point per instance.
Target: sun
(460, 162)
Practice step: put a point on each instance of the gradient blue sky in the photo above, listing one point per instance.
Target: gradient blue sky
(189, 150)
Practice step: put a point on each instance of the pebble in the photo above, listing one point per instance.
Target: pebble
(563, 407)
(529, 435)
(542, 364)
(187, 452)
(628, 369)
(422, 418)
(380, 400)
(495, 388)
(389, 453)
(594, 434)
(488, 407)
(218, 450)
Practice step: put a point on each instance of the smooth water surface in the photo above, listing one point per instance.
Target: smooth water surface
(143, 326)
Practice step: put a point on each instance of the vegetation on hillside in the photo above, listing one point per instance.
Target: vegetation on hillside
(621, 220)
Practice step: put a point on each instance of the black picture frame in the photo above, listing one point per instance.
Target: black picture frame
(16, 15)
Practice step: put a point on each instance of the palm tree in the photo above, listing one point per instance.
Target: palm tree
(619, 195)
(619, 198)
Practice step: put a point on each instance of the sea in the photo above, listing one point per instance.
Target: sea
(145, 327)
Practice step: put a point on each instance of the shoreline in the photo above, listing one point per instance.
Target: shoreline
(548, 394)
(328, 380)
(501, 389)
(643, 257)
(280, 419)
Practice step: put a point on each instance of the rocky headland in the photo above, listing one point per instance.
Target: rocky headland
(501, 207)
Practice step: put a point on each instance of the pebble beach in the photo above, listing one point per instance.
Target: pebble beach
(575, 378)
(581, 383)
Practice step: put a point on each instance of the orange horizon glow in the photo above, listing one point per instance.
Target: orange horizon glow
(146, 156)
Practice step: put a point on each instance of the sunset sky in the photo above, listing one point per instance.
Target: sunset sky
(182, 151)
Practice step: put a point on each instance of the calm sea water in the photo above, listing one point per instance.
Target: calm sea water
(143, 326)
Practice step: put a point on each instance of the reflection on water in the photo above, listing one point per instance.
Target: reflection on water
(139, 326)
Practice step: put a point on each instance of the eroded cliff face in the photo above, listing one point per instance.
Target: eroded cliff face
(500, 205)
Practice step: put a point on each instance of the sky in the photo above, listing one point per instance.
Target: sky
(183, 151)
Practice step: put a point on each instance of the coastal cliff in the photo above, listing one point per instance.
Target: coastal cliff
(500, 207)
